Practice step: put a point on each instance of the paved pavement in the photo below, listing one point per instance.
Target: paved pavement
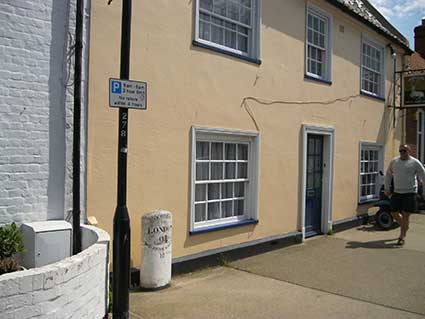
(358, 273)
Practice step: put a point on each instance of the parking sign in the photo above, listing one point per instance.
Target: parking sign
(127, 94)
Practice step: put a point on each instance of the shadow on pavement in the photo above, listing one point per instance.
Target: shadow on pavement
(375, 228)
(376, 244)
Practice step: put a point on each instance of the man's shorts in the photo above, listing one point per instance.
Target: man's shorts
(403, 202)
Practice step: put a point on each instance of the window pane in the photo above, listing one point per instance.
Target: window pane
(245, 16)
(216, 151)
(243, 30)
(200, 192)
(229, 25)
(315, 38)
(213, 191)
(202, 150)
(227, 208)
(313, 67)
(322, 41)
(232, 10)
(216, 171)
(230, 171)
(227, 190)
(202, 171)
(242, 152)
(315, 23)
(246, 3)
(217, 34)
(322, 26)
(200, 214)
(239, 207)
(204, 30)
(319, 70)
(242, 43)
(213, 211)
(206, 4)
(220, 7)
(242, 170)
(239, 189)
(230, 39)
(205, 17)
(230, 150)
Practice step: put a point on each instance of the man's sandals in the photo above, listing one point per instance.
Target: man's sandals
(400, 242)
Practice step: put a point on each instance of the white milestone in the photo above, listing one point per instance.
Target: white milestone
(155, 268)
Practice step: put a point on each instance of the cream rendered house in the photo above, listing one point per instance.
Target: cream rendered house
(266, 119)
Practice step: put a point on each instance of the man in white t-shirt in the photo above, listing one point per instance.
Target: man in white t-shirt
(405, 170)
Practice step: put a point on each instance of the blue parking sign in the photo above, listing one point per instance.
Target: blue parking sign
(116, 87)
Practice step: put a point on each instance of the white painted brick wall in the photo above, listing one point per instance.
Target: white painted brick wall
(73, 288)
(36, 107)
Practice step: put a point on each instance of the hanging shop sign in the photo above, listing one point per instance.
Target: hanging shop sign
(414, 90)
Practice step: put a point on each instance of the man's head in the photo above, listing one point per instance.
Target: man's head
(405, 151)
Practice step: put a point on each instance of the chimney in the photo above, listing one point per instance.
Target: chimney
(420, 39)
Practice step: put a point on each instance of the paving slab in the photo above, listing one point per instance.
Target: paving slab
(363, 264)
(358, 273)
(228, 293)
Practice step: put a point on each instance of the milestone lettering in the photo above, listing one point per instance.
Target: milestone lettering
(157, 229)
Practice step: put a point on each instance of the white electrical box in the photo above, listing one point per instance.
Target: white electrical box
(46, 242)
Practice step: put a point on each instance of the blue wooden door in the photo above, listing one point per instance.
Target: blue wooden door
(313, 207)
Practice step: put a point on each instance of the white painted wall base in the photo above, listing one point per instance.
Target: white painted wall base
(76, 287)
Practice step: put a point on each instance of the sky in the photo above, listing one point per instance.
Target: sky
(405, 15)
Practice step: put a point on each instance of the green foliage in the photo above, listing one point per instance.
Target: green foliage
(10, 241)
(331, 232)
(10, 245)
(223, 260)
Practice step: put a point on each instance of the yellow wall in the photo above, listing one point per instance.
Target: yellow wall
(192, 86)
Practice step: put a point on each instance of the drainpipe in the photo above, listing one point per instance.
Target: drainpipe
(394, 56)
(76, 211)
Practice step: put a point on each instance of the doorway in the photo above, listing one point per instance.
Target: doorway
(313, 190)
(317, 179)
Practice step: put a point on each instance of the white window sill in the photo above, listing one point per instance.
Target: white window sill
(372, 95)
(211, 47)
(208, 229)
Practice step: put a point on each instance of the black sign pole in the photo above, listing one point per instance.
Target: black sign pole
(121, 241)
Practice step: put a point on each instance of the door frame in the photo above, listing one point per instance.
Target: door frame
(328, 134)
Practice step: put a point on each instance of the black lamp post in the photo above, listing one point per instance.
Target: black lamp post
(121, 236)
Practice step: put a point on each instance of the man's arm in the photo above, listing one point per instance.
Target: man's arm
(420, 172)
(388, 178)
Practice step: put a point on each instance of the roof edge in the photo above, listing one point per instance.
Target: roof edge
(358, 17)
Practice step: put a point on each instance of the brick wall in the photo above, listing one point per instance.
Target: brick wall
(36, 102)
(76, 287)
